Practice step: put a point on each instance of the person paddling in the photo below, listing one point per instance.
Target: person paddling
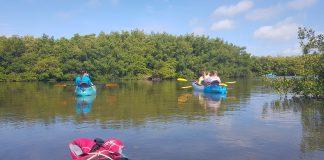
(85, 79)
(86, 73)
(213, 78)
(201, 78)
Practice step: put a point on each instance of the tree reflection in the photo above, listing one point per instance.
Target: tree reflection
(312, 119)
(130, 104)
(183, 98)
(312, 116)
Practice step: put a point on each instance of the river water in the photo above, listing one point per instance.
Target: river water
(161, 121)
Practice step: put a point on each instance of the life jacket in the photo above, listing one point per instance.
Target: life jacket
(85, 79)
(82, 149)
(77, 80)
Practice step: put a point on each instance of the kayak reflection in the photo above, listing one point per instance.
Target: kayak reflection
(209, 100)
(84, 104)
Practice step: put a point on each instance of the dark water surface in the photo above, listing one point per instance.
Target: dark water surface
(160, 121)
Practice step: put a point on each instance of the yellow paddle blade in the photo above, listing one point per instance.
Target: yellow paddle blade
(186, 87)
(111, 85)
(182, 80)
(223, 84)
(60, 85)
(231, 82)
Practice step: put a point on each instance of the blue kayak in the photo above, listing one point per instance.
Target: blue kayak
(210, 96)
(210, 88)
(82, 90)
(270, 75)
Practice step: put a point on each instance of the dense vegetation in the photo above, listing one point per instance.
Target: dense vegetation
(129, 55)
(309, 67)
(136, 55)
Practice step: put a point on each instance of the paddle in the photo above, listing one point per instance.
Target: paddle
(111, 85)
(63, 85)
(221, 84)
(182, 80)
(231, 82)
(60, 85)
(186, 87)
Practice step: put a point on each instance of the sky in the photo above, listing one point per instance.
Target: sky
(264, 27)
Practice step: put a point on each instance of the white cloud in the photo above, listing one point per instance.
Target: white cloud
(300, 4)
(223, 24)
(263, 13)
(233, 9)
(284, 30)
(199, 30)
(294, 50)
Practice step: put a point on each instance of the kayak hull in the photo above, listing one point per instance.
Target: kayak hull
(210, 96)
(210, 88)
(88, 91)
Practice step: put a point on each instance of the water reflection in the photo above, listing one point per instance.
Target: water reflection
(312, 119)
(209, 101)
(183, 98)
(250, 121)
(84, 104)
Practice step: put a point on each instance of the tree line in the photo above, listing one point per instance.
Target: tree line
(125, 54)
(137, 55)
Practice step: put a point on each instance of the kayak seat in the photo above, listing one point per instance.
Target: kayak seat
(214, 83)
(76, 150)
(84, 85)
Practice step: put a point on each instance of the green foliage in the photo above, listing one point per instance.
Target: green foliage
(127, 55)
(310, 42)
(48, 68)
(309, 67)
(282, 85)
(136, 55)
(305, 86)
(308, 86)
(281, 66)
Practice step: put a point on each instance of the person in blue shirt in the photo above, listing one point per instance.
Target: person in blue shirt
(86, 79)
(77, 80)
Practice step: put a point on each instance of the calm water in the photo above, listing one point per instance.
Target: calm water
(160, 121)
